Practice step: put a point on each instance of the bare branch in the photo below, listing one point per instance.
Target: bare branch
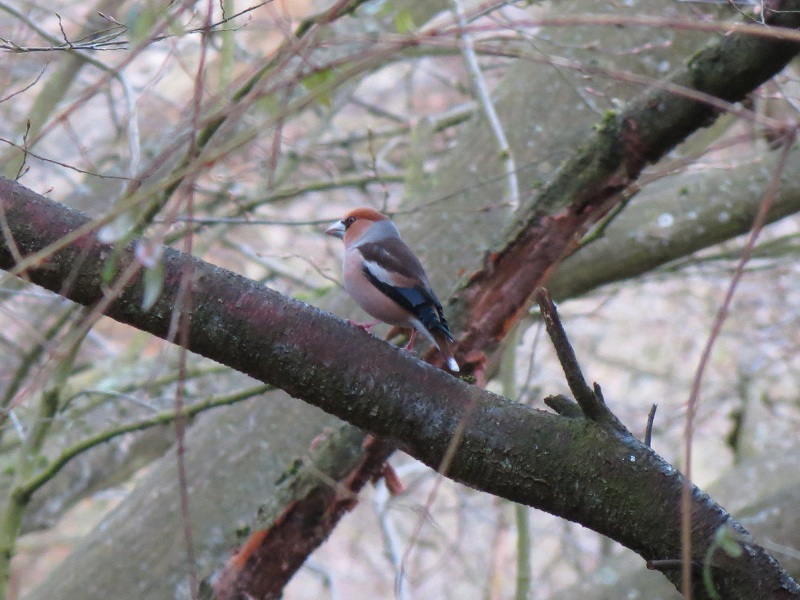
(648, 432)
(589, 399)
(486, 103)
(382, 389)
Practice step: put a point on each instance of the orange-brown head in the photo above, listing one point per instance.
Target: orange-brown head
(355, 224)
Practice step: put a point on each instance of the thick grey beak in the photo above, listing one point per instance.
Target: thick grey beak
(336, 230)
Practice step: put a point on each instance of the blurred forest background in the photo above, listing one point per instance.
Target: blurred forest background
(392, 106)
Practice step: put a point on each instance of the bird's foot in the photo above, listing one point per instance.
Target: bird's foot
(409, 347)
(365, 326)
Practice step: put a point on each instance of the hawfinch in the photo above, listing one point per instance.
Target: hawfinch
(385, 278)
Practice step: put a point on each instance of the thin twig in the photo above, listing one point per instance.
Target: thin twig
(392, 542)
(523, 577)
(28, 360)
(716, 328)
(508, 371)
(182, 319)
(28, 458)
(566, 355)
(485, 101)
(441, 471)
(25, 148)
(589, 399)
(162, 418)
(648, 432)
(102, 40)
(566, 407)
(341, 8)
(670, 564)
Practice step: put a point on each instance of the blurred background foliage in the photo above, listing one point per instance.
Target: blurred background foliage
(315, 110)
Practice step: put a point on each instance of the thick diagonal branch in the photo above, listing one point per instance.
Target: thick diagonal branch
(528, 456)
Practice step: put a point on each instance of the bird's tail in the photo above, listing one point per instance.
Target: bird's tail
(443, 340)
(432, 318)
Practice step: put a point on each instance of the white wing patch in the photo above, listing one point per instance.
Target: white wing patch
(379, 272)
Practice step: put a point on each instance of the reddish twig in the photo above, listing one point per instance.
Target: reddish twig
(790, 136)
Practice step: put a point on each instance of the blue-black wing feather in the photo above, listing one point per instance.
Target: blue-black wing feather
(421, 303)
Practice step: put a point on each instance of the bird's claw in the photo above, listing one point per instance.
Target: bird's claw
(409, 347)
(365, 326)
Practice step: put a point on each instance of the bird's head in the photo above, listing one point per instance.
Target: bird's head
(355, 224)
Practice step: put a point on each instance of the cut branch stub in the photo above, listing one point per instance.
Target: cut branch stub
(590, 400)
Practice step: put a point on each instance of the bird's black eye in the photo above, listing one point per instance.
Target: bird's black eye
(349, 221)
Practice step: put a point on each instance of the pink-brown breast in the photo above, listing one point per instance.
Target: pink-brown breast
(368, 297)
